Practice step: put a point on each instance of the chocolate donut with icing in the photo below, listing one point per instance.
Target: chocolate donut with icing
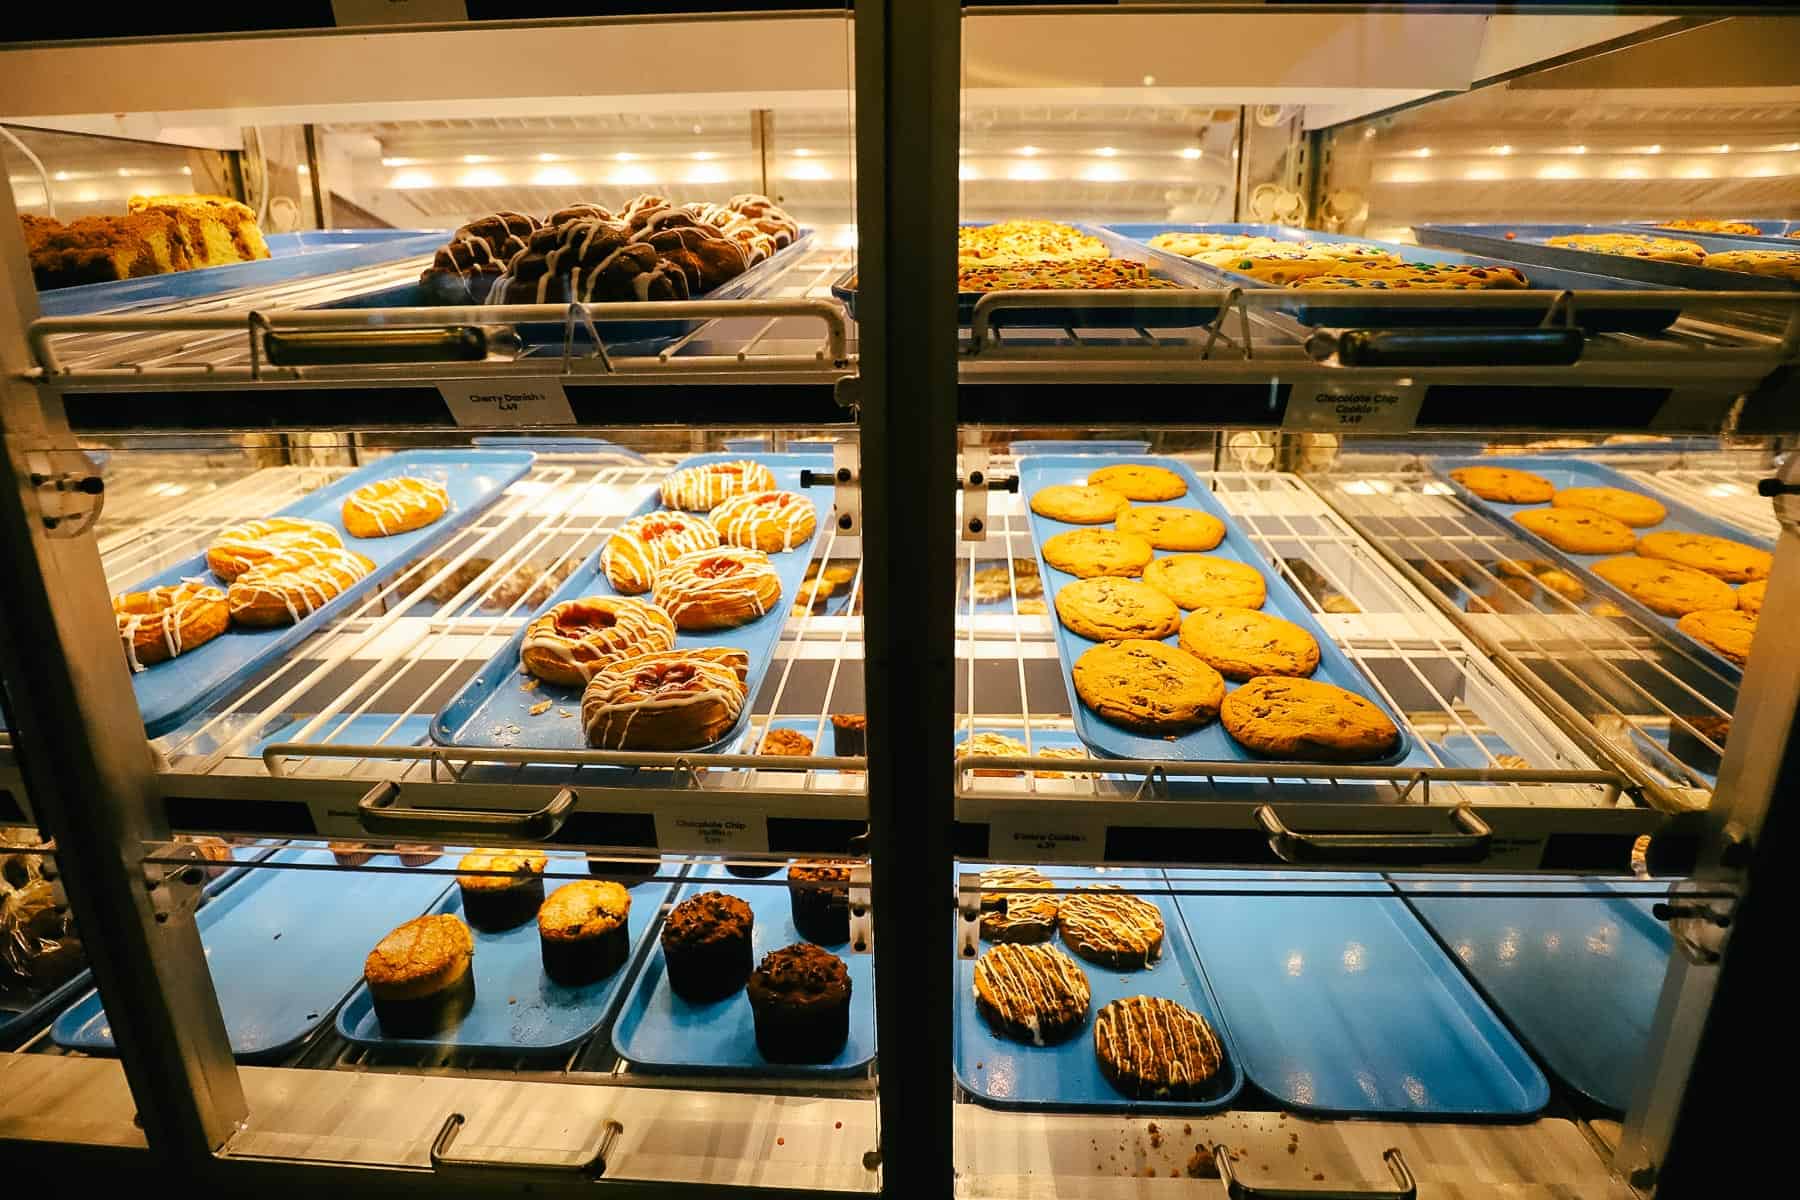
(704, 257)
(640, 205)
(580, 212)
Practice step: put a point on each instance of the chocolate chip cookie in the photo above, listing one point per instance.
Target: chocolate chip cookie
(1579, 530)
(1505, 485)
(1108, 609)
(1077, 505)
(1137, 481)
(1665, 587)
(1632, 508)
(1206, 581)
(1148, 687)
(1307, 720)
(1241, 643)
(1085, 553)
(1729, 631)
(1750, 597)
(1734, 562)
(1170, 528)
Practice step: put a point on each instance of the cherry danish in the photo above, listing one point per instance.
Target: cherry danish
(571, 641)
(285, 588)
(705, 487)
(718, 589)
(673, 700)
(166, 622)
(643, 545)
(390, 506)
(766, 521)
(247, 543)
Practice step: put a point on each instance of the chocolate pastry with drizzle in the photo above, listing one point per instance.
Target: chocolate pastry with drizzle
(1150, 1048)
(1014, 916)
(466, 267)
(587, 261)
(1033, 994)
(1106, 925)
(706, 257)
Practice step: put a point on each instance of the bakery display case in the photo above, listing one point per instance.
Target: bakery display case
(608, 587)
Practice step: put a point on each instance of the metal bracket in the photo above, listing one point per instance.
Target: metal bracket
(862, 922)
(846, 478)
(974, 492)
(968, 914)
(525, 1170)
(175, 890)
(379, 813)
(1239, 1189)
(1784, 489)
(70, 491)
(1700, 927)
(1154, 786)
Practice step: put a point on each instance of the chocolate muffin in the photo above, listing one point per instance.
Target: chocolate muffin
(800, 998)
(706, 946)
(418, 856)
(1154, 1049)
(496, 902)
(821, 913)
(1033, 994)
(849, 735)
(351, 854)
(581, 929)
(422, 976)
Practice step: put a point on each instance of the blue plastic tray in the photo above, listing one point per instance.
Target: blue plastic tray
(1006, 1074)
(1527, 245)
(1577, 977)
(1210, 743)
(492, 711)
(659, 1031)
(518, 1009)
(16, 1023)
(1528, 313)
(171, 692)
(1566, 472)
(1344, 1006)
(541, 334)
(1168, 266)
(285, 947)
(292, 256)
(598, 447)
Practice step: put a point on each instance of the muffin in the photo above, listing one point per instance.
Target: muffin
(351, 854)
(581, 929)
(821, 914)
(786, 742)
(495, 902)
(706, 946)
(418, 856)
(422, 976)
(849, 735)
(800, 999)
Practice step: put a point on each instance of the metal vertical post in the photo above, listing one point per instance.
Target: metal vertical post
(908, 66)
(87, 765)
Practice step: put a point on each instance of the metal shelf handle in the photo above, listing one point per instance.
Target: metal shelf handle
(378, 815)
(1237, 1189)
(592, 1166)
(1471, 845)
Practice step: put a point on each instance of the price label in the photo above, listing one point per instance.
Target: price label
(1390, 407)
(485, 403)
(1071, 837)
(712, 831)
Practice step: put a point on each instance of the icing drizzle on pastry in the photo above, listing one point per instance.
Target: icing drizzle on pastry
(302, 581)
(1157, 1045)
(744, 518)
(1031, 987)
(1106, 921)
(642, 545)
(727, 577)
(389, 502)
(586, 634)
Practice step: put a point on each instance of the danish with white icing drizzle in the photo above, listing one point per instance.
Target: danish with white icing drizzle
(1110, 927)
(768, 521)
(718, 589)
(166, 622)
(285, 588)
(397, 505)
(1033, 994)
(705, 487)
(671, 700)
(1151, 1048)
(641, 546)
(570, 641)
(238, 548)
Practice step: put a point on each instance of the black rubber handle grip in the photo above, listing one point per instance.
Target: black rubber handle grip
(1459, 347)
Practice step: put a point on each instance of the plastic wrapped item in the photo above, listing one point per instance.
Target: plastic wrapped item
(39, 947)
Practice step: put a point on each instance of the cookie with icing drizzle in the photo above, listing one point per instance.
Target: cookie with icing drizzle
(1151, 1048)
(1106, 925)
(1014, 916)
(1033, 994)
